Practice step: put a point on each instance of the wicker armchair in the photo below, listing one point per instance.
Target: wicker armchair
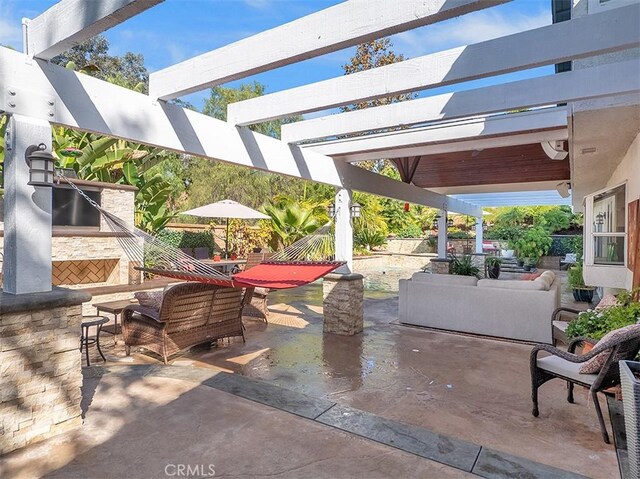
(257, 302)
(565, 365)
(559, 325)
(191, 313)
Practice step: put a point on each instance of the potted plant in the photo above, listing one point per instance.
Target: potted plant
(463, 265)
(595, 323)
(492, 265)
(575, 281)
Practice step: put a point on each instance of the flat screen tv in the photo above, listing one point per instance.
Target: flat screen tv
(71, 209)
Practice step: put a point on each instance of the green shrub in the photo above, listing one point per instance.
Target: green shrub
(369, 239)
(410, 231)
(187, 239)
(595, 324)
(533, 244)
(463, 265)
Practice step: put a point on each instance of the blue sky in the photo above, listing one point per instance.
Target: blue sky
(179, 29)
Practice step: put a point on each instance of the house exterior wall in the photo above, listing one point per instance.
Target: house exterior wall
(628, 170)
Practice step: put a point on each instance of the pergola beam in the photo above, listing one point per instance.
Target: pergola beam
(466, 145)
(87, 103)
(612, 30)
(595, 82)
(326, 31)
(70, 22)
(477, 129)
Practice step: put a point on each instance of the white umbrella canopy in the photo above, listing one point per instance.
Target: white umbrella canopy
(226, 209)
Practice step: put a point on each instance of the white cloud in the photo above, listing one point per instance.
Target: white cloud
(472, 28)
(10, 26)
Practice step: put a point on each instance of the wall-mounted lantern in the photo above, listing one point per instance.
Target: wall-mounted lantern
(355, 210)
(449, 222)
(41, 164)
(331, 210)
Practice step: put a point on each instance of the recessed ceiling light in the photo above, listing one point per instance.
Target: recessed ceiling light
(586, 151)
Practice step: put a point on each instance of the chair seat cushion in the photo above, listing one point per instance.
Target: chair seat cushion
(561, 325)
(564, 368)
(149, 299)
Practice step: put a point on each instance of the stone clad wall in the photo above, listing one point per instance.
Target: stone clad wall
(97, 247)
(40, 375)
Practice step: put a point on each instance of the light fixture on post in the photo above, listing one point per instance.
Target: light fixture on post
(40, 164)
(449, 222)
(331, 210)
(355, 210)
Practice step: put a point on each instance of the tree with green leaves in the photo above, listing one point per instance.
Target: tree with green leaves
(92, 57)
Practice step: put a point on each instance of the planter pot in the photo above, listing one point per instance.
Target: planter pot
(494, 271)
(217, 257)
(630, 381)
(507, 253)
(583, 295)
(526, 267)
(234, 256)
(521, 263)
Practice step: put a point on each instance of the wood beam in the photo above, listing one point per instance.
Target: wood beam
(70, 22)
(590, 35)
(496, 126)
(595, 82)
(326, 31)
(87, 103)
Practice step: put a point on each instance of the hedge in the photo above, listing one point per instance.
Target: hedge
(562, 245)
(187, 239)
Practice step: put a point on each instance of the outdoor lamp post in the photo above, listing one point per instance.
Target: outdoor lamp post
(355, 210)
(331, 210)
(40, 165)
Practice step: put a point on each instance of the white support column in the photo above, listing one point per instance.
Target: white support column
(27, 212)
(479, 233)
(442, 235)
(344, 230)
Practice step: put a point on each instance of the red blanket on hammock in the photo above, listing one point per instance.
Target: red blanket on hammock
(272, 275)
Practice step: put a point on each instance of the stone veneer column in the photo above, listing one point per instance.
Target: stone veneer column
(40, 365)
(343, 303)
(440, 266)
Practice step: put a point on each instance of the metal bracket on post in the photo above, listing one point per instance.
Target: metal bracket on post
(28, 103)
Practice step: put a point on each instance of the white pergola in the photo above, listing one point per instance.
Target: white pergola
(35, 94)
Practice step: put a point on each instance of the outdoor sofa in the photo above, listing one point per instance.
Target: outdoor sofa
(189, 314)
(512, 309)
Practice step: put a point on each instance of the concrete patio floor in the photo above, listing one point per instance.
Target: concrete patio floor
(472, 389)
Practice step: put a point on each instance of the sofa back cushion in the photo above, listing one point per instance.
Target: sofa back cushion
(449, 279)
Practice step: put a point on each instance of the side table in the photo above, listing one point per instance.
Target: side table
(85, 340)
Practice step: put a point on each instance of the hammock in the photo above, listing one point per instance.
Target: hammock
(301, 263)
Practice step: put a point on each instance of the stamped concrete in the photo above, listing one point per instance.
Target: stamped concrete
(473, 389)
(143, 426)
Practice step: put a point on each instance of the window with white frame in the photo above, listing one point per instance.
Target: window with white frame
(605, 227)
(596, 6)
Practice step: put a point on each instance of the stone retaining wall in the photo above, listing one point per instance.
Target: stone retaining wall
(40, 375)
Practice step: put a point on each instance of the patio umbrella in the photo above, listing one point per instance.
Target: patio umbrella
(226, 209)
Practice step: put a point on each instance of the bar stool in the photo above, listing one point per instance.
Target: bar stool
(85, 340)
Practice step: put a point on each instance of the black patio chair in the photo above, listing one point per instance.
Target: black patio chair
(566, 364)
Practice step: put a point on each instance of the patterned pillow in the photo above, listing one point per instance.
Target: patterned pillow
(149, 299)
(594, 365)
(607, 301)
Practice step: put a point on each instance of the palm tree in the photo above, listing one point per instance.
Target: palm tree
(290, 222)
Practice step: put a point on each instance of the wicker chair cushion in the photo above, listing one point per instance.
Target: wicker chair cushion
(149, 299)
(594, 365)
(564, 368)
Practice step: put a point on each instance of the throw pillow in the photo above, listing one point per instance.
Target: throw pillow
(149, 299)
(607, 301)
(530, 276)
(594, 365)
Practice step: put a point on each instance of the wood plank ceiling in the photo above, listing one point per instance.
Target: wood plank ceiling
(513, 164)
